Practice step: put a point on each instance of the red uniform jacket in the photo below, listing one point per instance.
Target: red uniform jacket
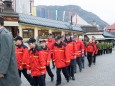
(90, 48)
(47, 55)
(37, 62)
(50, 43)
(95, 48)
(71, 49)
(59, 56)
(80, 48)
(22, 56)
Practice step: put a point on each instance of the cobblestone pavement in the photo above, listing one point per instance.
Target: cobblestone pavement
(101, 74)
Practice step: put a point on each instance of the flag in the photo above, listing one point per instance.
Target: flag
(76, 18)
(63, 16)
(33, 11)
(70, 15)
(56, 14)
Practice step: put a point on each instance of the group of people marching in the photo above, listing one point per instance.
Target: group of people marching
(65, 53)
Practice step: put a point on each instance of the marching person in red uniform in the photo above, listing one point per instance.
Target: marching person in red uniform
(22, 56)
(96, 51)
(47, 56)
(79, 45)
(70, 53)
(90, 52)
(50, 43)
(83, 51)
(37, 63)
(61, 60)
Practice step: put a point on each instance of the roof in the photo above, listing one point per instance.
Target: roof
(97, 37)
(110, 27)
(90, 28)
(24, 18)
(108, 34)
(80, 21)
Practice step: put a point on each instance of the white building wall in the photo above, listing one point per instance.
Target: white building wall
(22, 6)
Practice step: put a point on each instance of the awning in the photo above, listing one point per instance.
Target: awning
(97, 37)
(10, 23)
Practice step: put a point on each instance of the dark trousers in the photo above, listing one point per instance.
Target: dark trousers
(49, 71)
(104, 51)
(39, 80)
(71, 68)
(65, 73)
(83, 61)
(94, 58)
(28, 77)
(89, 57)
(52, 62)
(78, 60)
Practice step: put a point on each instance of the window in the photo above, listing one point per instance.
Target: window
(27, 33)
(43, 34)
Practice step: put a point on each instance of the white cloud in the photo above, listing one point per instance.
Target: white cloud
(105, 9)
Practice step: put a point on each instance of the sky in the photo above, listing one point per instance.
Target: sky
(105, 9)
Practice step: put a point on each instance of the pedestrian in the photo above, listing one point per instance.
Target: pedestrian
(95, 51)
(8, 68)
(22, 56)
(37, 64)
(79, 46)
(50, 43)
(71, 53)
(47, 56)
(90, 52)
(61, 60)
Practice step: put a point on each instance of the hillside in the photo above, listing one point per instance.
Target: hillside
(50, 12)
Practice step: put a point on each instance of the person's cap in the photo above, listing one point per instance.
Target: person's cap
(31, 40)
(68, 34)
(43, 41)
(18, 38)
(58, 38)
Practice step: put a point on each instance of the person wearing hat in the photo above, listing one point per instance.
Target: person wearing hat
(90, 52)
(47, 56)
(8, 68)
(50, 43)
(71, 51)
(60, 59)
(37, 63)
(22, 56)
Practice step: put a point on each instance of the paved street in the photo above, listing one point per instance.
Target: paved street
(101, 74)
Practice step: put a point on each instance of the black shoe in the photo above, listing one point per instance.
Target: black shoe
(73, 78)
(80, 70)
(52, 79)
(67, 80)
(57, 84)
(89, 65)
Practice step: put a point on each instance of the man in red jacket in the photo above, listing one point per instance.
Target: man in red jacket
(50, 43)
(90, 52)
(22, 56)
(47, 56)
(61, 60)
(79, 46)
(37, 63)
(70, 53)
(96, 51)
